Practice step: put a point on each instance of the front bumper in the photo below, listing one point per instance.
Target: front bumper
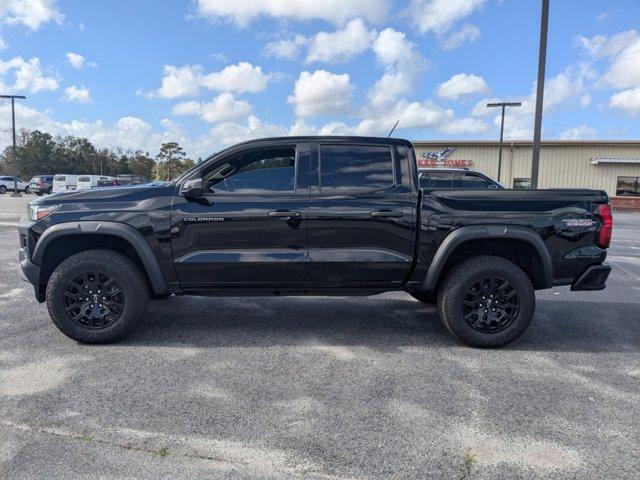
(593, 278)
(29, 270)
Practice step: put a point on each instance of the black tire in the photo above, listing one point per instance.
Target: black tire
(27, 190)
(39, 194)
(468, 283)
(3, 189)
(126, 275)
(429, 298)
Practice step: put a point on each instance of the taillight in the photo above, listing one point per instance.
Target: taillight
(604, 234)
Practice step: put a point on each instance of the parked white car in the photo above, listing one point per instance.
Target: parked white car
(91, 181)
(64, 182)
(7, 183)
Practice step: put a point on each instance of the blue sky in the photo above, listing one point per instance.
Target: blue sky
(208, 73)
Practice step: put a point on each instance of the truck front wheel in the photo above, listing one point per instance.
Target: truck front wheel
(97, 296)
(486, 301)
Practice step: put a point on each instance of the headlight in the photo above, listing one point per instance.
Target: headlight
(38, 212)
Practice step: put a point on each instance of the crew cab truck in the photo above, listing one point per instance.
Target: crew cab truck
(311, 216)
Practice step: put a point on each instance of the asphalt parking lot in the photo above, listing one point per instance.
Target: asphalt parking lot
(313, 387)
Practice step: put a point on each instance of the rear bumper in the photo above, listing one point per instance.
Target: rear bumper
(593, 278)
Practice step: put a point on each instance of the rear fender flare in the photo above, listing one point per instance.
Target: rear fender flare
(122, 230)
(464, 234)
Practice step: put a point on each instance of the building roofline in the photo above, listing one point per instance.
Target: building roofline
(527, 143)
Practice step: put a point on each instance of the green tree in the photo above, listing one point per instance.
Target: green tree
(171, 161)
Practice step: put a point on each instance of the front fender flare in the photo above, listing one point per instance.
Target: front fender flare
(472, 232)
(122, 230)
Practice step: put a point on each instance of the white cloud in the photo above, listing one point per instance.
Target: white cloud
(187, 80)
(583, 132)
(287, 49)
(320, 93)
(77, 94)
(403, 65)
(466, 33)
(424, 114)
(622, 51)
(241, 78)
(28, 76)
(127, 133)
(223, 108)
(76, 60)
(334, 11)
(231, 133)
(439, 16)
(464, 126)
(462, 84)
(627, 100)
(179, 81)
(30, 13)
(340, 45)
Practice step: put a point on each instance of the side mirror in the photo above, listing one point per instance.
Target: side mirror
(192, 188)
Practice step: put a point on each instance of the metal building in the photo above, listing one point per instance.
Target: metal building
(613, 166)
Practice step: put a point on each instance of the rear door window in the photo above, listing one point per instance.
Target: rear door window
(355, 168)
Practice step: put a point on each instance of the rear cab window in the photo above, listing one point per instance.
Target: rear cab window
(348, 169)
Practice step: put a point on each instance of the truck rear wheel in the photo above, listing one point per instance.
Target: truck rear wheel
(486, 301)
(97, 296)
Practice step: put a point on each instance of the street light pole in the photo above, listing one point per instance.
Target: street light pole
(542, 60)
(13, 126)
(502, 105)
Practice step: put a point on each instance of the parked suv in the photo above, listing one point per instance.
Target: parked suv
(8, 183)
(312, 216)
(433, 178)
(41, 184)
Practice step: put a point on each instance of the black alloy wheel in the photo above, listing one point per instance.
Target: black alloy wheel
(490, 305)
(94, 300)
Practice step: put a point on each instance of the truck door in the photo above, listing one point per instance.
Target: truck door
(361, 215)
(250, 227)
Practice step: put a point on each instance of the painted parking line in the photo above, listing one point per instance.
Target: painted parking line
(8, 224)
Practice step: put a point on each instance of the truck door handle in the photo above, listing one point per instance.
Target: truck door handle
(386, 213)
(285, 214)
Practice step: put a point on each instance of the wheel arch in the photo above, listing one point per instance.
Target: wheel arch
(89, 235)
(487, 240)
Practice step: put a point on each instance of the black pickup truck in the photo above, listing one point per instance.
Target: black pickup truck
(311, 216)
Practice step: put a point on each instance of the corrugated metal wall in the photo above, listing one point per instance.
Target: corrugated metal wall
(562, 165)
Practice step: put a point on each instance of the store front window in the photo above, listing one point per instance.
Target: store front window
(628, 186)
(521, 183)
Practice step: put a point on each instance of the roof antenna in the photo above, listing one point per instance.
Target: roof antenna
(394, 127)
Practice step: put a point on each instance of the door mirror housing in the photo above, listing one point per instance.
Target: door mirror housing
(192, 188)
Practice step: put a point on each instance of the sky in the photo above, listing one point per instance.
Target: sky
(210, 73)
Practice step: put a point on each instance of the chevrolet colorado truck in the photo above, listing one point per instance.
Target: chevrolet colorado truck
(336, 216)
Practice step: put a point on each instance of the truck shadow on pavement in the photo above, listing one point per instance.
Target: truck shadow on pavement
(380, 323)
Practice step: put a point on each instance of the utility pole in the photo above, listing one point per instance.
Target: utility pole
(542, 61)
(503, 105)
(13, 125)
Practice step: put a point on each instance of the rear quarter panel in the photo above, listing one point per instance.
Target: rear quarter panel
(564, 219)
